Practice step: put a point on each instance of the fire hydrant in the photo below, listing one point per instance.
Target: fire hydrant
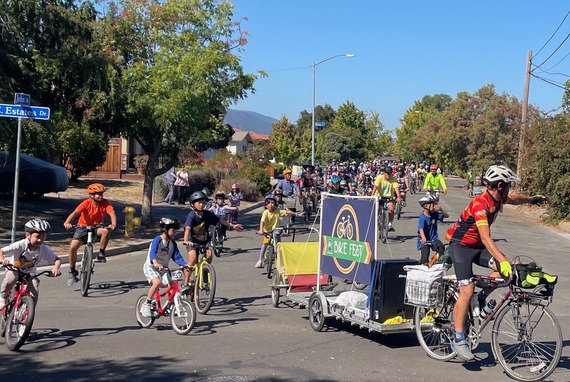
(129, 220)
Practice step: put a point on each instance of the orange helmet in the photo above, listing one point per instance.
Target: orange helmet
(95, 187)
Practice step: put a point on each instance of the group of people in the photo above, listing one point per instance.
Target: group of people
(469, 238)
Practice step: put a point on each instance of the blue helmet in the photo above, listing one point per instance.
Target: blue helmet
(270, 197)
(335, 179)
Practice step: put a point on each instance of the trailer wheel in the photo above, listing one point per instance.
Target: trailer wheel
(316, 313)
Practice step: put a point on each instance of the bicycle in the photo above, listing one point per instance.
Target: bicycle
(525, 350)
(202, 281)
(309, 197)
(400, 205)
(269, 255)
(470, 188)
(217, 240)
(434, 194)
(383, 219)
(88, 260)
(182, 313)
(17, 317)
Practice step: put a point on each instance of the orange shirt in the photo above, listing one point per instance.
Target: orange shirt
(482, 211)
(91, 213)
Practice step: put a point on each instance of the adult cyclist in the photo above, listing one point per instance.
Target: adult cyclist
(434, 181)
(386, 188)
(471, 243)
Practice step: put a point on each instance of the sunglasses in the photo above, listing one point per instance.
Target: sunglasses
(98, 193)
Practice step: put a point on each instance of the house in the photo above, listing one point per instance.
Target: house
(241, 142)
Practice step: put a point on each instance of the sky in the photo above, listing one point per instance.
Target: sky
(403, 51)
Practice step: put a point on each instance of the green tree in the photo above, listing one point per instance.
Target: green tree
(179, 69)
(378, 141)
(284, 139)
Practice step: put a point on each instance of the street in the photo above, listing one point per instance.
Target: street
(243, 337)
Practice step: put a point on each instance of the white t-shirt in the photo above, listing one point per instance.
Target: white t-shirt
(29, 259)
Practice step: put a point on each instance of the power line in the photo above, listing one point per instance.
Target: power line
(564, 19)
(555, 73)
(554, 83)
(563, 58)
(555, 50)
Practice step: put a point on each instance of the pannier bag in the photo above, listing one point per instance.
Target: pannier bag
(531, 275)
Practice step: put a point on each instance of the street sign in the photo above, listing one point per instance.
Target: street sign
(320, 124)
(22, 99)
(19, 111)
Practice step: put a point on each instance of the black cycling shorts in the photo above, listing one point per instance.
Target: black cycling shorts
(464, 257)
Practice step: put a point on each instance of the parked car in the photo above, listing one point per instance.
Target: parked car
(37, 176)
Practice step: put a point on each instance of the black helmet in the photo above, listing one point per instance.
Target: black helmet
(168, 222)
(198, 195)
(400, 168)
(388, 170)
(220, 195)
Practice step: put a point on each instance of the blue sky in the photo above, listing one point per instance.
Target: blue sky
(403, 51)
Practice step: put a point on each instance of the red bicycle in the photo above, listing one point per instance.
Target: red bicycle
(182, 313)
(17, 317)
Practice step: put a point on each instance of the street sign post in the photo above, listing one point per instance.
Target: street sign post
(21, 109)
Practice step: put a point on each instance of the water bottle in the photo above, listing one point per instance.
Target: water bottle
(487, 309)
(475, 306)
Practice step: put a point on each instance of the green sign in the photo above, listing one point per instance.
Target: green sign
(351, 250)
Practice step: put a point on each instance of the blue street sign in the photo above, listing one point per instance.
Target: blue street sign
(22, 99)
(320, 124)
(18, 111)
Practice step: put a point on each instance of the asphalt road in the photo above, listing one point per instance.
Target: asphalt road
(244, 338)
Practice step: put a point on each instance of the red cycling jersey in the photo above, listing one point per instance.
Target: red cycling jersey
(482, 211)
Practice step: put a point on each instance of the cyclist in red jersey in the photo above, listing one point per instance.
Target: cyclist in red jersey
(471, 242)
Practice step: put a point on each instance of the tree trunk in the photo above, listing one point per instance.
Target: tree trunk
(146, 207)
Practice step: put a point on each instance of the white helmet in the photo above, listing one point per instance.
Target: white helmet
(496, 174)
(427, 199)
(37, 225)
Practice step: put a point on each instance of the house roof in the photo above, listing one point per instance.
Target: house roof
(259, 137)
(240, 136)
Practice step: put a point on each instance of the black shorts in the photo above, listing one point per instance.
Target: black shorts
(81, 235)
(464, 257)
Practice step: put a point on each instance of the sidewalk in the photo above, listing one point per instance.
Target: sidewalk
(119, 244)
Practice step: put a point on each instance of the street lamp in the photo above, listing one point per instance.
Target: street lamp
(314, 66)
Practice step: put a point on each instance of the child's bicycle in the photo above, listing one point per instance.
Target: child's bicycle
(182, 313)
(202, 281)
(526, 338)
(217, 239)
(269, 254)
(17, 317)
(88, 259)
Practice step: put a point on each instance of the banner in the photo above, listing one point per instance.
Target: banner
(348, 241)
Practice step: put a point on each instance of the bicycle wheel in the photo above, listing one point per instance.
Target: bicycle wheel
(434, 329)
(217, 242)
(205, 289)
(20, 323)
(183, 321)
(276, 291)
(527, 340)
(398, 210)
(269, 258)
(144, 322)
(384, 227)
(86, 269)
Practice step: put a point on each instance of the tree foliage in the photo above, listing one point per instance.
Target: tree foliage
(178, 71)
(284, 140)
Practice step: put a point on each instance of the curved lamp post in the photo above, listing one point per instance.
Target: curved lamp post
(314, 66)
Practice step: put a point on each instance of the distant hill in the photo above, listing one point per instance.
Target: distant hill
(249, 121)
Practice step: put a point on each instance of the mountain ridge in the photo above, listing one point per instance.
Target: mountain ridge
(249, 121)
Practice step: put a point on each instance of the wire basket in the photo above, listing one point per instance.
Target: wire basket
(424, 288)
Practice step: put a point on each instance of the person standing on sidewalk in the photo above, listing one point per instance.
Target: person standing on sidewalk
(181, 184)
(170, 178)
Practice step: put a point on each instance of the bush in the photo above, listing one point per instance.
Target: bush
(256, 175)
(200, 179)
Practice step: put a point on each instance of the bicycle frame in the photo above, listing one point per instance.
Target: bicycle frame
(172, 290)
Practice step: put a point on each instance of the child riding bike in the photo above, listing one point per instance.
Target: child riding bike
(427, 227)
(31, 252)
(269, 223)
(91, 212)
(221, 210)
(197, 230)
(162, 249)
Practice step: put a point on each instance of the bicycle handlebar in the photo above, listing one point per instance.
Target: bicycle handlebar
(485, 282)
(12, 267)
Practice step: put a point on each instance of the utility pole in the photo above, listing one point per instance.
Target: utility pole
(524, 115)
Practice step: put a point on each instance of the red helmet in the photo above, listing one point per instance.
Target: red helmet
(95, 187)
(433, 167)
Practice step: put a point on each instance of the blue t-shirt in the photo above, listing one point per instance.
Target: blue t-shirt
(288, 187)
(429, 225)
(200, 226)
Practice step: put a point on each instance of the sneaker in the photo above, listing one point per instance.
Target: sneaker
(101, 258)
(463, 350)
(72, 278)
(145, 310)
(259, 264)
(391, 228)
